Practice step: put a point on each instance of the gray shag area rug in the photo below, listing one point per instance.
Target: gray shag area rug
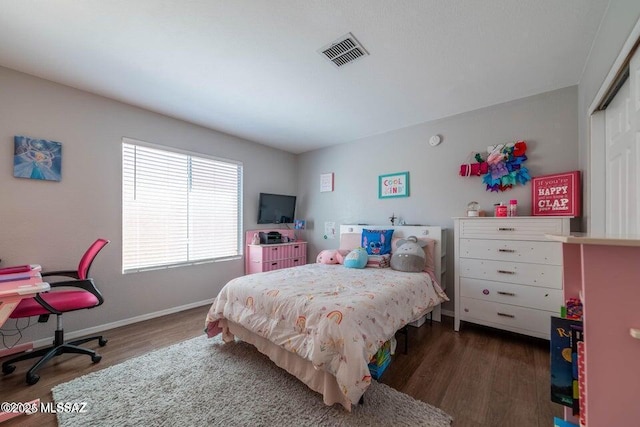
(203, 382)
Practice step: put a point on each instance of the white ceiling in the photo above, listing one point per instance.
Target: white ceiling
(251, 68)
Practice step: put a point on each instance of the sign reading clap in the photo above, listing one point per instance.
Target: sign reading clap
(556, 195)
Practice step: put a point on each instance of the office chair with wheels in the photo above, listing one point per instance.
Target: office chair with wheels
(47, 303)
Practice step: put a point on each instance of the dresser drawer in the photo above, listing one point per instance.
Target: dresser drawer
(277, 252)
(274, 265)
(509, 293)
(294, 262)
(298, 250)
(512, 250)
(548, 276)
(511, 317)
(510, 229)
(272, 253)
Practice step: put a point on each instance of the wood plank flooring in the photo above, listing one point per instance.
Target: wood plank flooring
(482, 377)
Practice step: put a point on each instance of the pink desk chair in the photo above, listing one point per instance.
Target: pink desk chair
(46, 303)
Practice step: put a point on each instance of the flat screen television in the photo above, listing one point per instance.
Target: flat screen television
(276, 208)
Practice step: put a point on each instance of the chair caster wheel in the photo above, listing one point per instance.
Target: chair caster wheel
(7, 369)
(96, 358)
(32, 378)
(102, 342)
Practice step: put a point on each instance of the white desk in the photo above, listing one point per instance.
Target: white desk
(11, 293)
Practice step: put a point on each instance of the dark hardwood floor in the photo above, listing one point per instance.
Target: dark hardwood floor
(482, 377)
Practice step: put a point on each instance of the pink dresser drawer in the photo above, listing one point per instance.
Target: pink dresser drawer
(274, 265)
(274, 257)
(298, 250)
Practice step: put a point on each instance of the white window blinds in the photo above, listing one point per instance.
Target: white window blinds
(177, 207)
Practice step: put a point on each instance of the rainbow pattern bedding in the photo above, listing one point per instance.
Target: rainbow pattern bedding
(332, 316)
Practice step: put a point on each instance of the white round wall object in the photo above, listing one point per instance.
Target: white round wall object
(435, 140)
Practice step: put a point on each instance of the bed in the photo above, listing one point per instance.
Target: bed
(323, 323)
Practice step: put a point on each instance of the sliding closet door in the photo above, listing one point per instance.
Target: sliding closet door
(622, 152)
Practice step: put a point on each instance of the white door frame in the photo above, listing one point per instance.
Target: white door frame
(595, 196)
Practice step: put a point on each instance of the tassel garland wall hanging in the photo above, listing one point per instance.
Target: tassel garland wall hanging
(506, 167)
(503, 167)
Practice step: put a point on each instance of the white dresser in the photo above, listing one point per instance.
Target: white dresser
(508, 275)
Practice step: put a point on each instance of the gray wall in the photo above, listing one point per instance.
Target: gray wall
(548, 122)
(620, 18)
(52, 223)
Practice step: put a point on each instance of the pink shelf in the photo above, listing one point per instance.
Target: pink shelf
(606, 271)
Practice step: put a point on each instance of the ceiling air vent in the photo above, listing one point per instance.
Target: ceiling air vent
(344, 50)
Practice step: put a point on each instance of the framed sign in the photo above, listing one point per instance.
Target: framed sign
(556, 195)
(326, 182)
(393, 185)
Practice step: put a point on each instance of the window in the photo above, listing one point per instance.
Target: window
(178, 208)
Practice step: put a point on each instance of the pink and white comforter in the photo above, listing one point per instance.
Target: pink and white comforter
(333, 316)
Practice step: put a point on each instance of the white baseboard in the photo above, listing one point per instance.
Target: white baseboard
(100, 328)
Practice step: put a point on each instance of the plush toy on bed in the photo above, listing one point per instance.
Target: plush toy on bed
(357, 258)
(328, 256)
(409, 256)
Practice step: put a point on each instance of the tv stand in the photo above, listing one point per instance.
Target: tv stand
(259, 258)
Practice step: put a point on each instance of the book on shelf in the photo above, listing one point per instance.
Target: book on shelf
(25, 286)
(561, 360)
(559, 422)
(582, 385)
(577, 335)
(19, 269)
(19, 272)
(18, 276)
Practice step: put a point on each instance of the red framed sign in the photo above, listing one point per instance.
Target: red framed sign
(556, 195)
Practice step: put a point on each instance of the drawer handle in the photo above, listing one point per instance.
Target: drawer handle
(274, 263)
(511, 316)
(506, 229)
(511, 294)
(507, 250)
(506, 272)
(296, 246)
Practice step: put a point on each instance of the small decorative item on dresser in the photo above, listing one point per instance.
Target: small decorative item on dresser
(513, 208)
(473, 209)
